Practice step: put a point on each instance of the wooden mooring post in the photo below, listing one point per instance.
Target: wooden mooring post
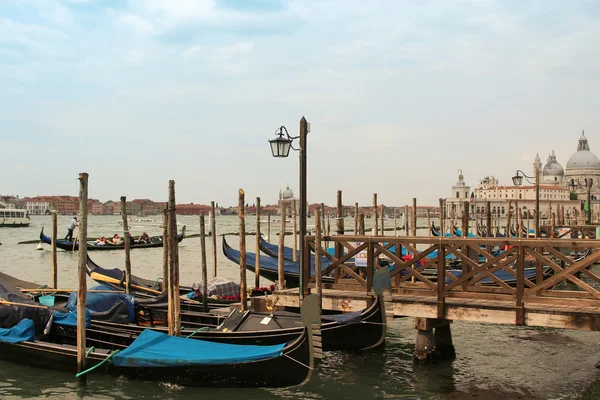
(406, 217)
(175, 327)
(295, 232)
(442, 217)
(429, 222)
(203, 266)
(257, 263)
(127, 243)
(375, 217)
(280, 260)
(355, 218)
(318, 252)
(165, 239)
(213, 234)
(382, 220)
(269, 227)
(82, 275)
(508, 212)
(54, 255)
(339, 248)
(361, 224)
(413, 228)
(395, 222)
(242, 216)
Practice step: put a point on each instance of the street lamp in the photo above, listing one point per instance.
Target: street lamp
(280, 147)
(518, 180)
(588, 185)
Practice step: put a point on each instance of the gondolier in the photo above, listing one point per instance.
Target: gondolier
(71, 228)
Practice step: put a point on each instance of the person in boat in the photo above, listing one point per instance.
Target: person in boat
(102, 241)
(116, 239)
(144, 238)
(71, 228)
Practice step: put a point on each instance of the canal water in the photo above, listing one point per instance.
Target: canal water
(493, 361)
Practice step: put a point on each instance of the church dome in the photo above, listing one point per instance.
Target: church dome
(552, 167)
(288, 194)
(583, 158)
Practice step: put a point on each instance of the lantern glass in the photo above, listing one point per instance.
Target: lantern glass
(280, 147)
(517, 180)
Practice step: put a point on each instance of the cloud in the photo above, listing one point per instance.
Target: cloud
(138, 25)
(192, 52)
(232, 59)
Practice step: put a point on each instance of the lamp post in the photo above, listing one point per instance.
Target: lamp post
(518, 180)
(588, 185)
(280, 147)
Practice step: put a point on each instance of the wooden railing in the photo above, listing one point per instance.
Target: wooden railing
(551, 271)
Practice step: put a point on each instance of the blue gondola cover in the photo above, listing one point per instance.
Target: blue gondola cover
(102, 302)
(70, 318)
(21, 332)
(156, 349)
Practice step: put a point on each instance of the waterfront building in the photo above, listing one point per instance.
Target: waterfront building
(9, 201)
(556, 184)
(192, 209)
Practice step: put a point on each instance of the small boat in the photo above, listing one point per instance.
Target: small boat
(357, 330)
(268, 266)
(14, 218)
(288, 253)
(154, 241)
(156, 356)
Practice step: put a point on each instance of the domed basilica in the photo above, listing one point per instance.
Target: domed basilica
(583, 169)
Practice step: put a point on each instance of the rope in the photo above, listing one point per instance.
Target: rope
(97, 365)
(156, 282)
(204, 328)
(87, 353)
(299, 362)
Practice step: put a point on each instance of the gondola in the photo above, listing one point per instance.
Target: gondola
(268, 266)
(358, 330)
(272, 250)
(154, 241)
(156, 356)
(334, 328)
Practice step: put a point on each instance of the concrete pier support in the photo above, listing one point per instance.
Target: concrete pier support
(424, 346)
(444, 347)
(434, 339)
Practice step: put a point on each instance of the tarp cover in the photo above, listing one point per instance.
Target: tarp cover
(219, 287)
(156, 349)
(113, 307)
(21, 332)
(12, 314)
(71, 318)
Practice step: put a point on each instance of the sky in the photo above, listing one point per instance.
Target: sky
(400, 95)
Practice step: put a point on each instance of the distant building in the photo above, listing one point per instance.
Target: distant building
(9, 201)
(287, 197)
(192, 209)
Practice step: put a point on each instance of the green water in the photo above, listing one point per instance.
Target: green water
(493, 361)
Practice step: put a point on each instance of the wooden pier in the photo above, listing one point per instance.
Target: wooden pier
(551, 286)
